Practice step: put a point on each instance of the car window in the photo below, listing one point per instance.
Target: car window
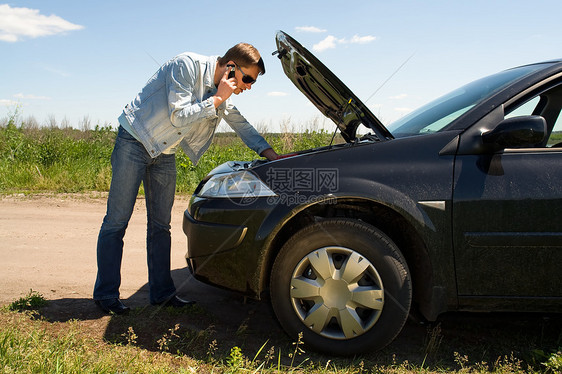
(439, 113)
(526, 109)
(554, 104)
(555, 138)
(442, 122)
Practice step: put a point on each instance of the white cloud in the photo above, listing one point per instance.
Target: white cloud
(310, 29)
(362, 39)
(5, 102)
(277, 93)
(403, 110)
(331, 41)
(21, 96)
(328, 43)
(399, 97)
(19, 23)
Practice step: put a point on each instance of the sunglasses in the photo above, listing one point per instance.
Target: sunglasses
(248, 79)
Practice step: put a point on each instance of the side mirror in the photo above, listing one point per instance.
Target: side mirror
(523, 131)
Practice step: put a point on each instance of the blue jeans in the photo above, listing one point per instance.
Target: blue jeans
(132, 164)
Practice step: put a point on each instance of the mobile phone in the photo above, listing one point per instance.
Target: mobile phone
(232, 70)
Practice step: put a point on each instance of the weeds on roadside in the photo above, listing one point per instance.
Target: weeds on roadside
(164, 341)
(130, 336)
(433, 340)
(236, 359)
(32, 301)
(551, 361)
(298, 349)
(212, 350)
(52, 159)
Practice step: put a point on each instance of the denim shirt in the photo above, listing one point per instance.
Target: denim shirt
(176, 106)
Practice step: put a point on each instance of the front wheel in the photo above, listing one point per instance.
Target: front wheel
(342, 283)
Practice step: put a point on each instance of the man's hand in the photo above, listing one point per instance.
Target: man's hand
(270, 154)
(225, 89)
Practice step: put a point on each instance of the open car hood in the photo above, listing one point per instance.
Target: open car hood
(325, 90)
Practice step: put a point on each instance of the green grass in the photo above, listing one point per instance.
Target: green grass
(32, 301)
(556, 137)
(158, 343)
(60, 160)
(29, 345)
(71, 160)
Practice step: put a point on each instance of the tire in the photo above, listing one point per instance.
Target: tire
(344, 285)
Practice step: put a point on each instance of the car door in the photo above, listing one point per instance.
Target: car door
(507, 217)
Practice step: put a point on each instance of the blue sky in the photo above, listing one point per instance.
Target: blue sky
(70, 60)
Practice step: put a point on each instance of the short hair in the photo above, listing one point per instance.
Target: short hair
(243, 54)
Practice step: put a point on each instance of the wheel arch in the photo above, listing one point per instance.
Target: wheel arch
(388, 220)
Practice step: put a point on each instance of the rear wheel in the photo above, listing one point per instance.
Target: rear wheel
(343, 284)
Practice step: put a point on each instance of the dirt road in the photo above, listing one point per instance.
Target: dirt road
(48, 244)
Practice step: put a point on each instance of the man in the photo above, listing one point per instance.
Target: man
(181, 105)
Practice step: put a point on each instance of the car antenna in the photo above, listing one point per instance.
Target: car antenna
(153, 59)
(390, 77)
(373, 94)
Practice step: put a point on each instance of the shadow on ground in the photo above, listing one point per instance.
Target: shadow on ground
(222, 320)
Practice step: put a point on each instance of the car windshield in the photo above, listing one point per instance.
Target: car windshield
(437, 114)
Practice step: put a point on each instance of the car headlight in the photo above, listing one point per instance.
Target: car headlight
(241, 184)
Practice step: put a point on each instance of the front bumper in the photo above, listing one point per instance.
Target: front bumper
(225, 242)
(211, 238)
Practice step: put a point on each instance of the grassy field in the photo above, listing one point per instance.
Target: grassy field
(34, 159)
(68, 160)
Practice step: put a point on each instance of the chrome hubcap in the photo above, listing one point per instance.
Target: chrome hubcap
(337, 293)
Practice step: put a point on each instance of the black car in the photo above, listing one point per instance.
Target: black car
(457, 207)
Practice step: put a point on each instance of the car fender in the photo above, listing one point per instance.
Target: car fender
(418, 216)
